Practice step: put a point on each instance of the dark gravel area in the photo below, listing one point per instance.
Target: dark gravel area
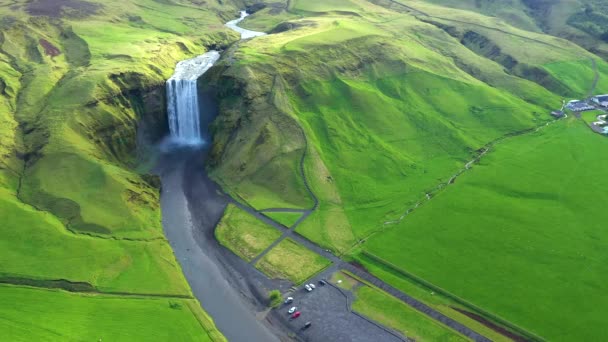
(327, 309)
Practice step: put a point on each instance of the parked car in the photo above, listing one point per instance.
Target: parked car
(308, 288)
(296, 314)
(312, 286)
(288, 300)
(322, 282)
(292, 310)
(307, 325)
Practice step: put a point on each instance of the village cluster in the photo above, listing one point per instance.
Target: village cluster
(599, 102)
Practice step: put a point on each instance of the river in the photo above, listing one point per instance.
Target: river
(191, 206)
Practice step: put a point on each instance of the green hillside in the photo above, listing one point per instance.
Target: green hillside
(519, 235)
(391, 104)
(582, 21)
(77, 81)
(48, 315)
(385, 101)
(362, 110)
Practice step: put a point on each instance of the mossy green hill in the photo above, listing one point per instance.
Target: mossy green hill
(79, 81)
(390, 104)
(384, 102)
(373, 104)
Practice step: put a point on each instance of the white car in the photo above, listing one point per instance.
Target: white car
(308, 288)
(288, 300)
(292, 310)
(312, 286)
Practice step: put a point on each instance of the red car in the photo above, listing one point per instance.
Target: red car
(296, 314)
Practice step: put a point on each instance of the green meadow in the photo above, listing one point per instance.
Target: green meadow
(390, 311)
(34, 244)
(53, 315)
(392, 104)
(520, 235)
(287, 219)
(291, 261)
(243, 234)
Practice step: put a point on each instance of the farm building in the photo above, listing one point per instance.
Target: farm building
(601, 100)
(579, 106)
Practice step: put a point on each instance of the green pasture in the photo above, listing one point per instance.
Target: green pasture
(35, 245)
(52, 315)
(519, 235)
(387, 310)
(244, 234)
(291, 261)
(285, 218)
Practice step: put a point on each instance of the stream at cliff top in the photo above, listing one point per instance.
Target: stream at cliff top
(245, 34)
(192, 204)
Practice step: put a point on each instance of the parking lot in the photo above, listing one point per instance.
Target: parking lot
(326, 308)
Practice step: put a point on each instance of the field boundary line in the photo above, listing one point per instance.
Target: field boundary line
(80, 287)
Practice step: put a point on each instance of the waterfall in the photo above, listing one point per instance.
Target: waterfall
(182, 98)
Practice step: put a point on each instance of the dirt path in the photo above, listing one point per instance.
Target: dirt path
(595, 80)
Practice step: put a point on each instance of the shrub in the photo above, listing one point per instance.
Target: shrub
(274, 298)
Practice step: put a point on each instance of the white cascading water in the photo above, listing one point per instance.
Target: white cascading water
(182, 98)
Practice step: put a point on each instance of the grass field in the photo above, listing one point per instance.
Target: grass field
(243, 234)
(428, 296)
(579, 75)
(286, 219)
(395, 314)
(415, 115)
(52, 315)
(37, 249)
(290, 261)
(519, 235)
(344, 281)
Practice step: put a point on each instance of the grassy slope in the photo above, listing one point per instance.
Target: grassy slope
(392, 106)
(48, 315)
(534, 221)
(243, 234)
(395, 104)
(35, 245)
(77, 133)
(390, 311)
(435, 300)
(563, 18)
(288, 260)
